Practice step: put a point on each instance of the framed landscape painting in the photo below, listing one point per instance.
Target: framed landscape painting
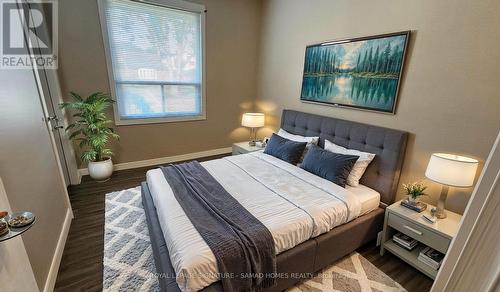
(361, 73)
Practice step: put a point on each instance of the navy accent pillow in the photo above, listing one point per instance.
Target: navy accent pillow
(284, 149)
(332, 166)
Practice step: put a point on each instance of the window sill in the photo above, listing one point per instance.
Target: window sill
(128, 122)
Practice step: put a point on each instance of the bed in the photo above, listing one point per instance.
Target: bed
(347, 219)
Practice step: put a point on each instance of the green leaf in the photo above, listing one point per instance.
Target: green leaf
(71, 126)
(76, 96)
(74, 134)
(83, 143)
(106, 152)
(89, 156)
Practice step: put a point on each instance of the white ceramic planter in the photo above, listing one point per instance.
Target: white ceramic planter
(101, 170)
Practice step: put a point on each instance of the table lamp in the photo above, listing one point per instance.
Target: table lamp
(451, 171)
(253, 121)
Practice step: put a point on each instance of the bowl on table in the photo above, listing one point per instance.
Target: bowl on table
(20, 219)
(4, 228)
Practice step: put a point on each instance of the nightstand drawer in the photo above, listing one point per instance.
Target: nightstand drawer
(425, 236)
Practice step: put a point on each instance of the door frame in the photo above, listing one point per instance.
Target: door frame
(48, 82)
(50, 95)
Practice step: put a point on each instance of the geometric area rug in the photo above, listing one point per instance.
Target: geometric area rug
(129, 263)
(128, 257)
(351, 273)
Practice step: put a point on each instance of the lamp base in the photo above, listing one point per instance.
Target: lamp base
(440, 212)
(253, 137)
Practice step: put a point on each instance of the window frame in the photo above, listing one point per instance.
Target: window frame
(173, 4)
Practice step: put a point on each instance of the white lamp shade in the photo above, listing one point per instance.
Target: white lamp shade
(253, 120)
(452, 170)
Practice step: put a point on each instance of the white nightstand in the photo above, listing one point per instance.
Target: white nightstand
(436, 235)
(243, 147)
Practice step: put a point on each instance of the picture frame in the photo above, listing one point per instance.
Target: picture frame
(361, 73)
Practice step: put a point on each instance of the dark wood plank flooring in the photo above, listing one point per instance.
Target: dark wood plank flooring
(81, 265)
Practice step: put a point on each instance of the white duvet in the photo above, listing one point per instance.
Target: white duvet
(292, 203)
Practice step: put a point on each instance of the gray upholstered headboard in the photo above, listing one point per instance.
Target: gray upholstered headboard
(389, 146)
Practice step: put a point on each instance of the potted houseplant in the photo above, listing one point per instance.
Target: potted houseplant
(90, 129)
(414, 191)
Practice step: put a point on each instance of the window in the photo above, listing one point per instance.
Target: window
(154, 52)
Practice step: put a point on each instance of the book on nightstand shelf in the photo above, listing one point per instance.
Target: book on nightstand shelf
(418, 206)
(431, 257)
(404, 241)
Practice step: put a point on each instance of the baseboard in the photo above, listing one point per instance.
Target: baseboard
(79, 176)
(163, 160)
(56, 260)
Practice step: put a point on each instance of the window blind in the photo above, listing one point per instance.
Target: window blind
(156, 59)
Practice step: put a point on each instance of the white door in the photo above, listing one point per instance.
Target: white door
(30, 170)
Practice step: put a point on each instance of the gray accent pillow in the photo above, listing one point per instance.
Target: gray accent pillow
(334, 167)
(284, 149)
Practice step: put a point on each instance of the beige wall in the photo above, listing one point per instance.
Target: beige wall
(449, 99)
(232, 29)
(449, 94)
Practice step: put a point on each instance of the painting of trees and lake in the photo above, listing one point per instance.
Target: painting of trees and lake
(361, 73)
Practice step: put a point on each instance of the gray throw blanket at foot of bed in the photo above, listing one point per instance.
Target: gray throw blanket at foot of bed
(242, 245)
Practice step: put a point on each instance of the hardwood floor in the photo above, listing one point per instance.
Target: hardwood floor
(81, 265)
(411, 279)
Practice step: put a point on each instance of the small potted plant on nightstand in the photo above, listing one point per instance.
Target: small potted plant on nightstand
(414, 191)
(91, 130)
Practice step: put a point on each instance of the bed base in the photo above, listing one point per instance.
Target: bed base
(297, 263)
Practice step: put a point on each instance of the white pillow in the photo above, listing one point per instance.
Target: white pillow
(298, 138)
(359, 167)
